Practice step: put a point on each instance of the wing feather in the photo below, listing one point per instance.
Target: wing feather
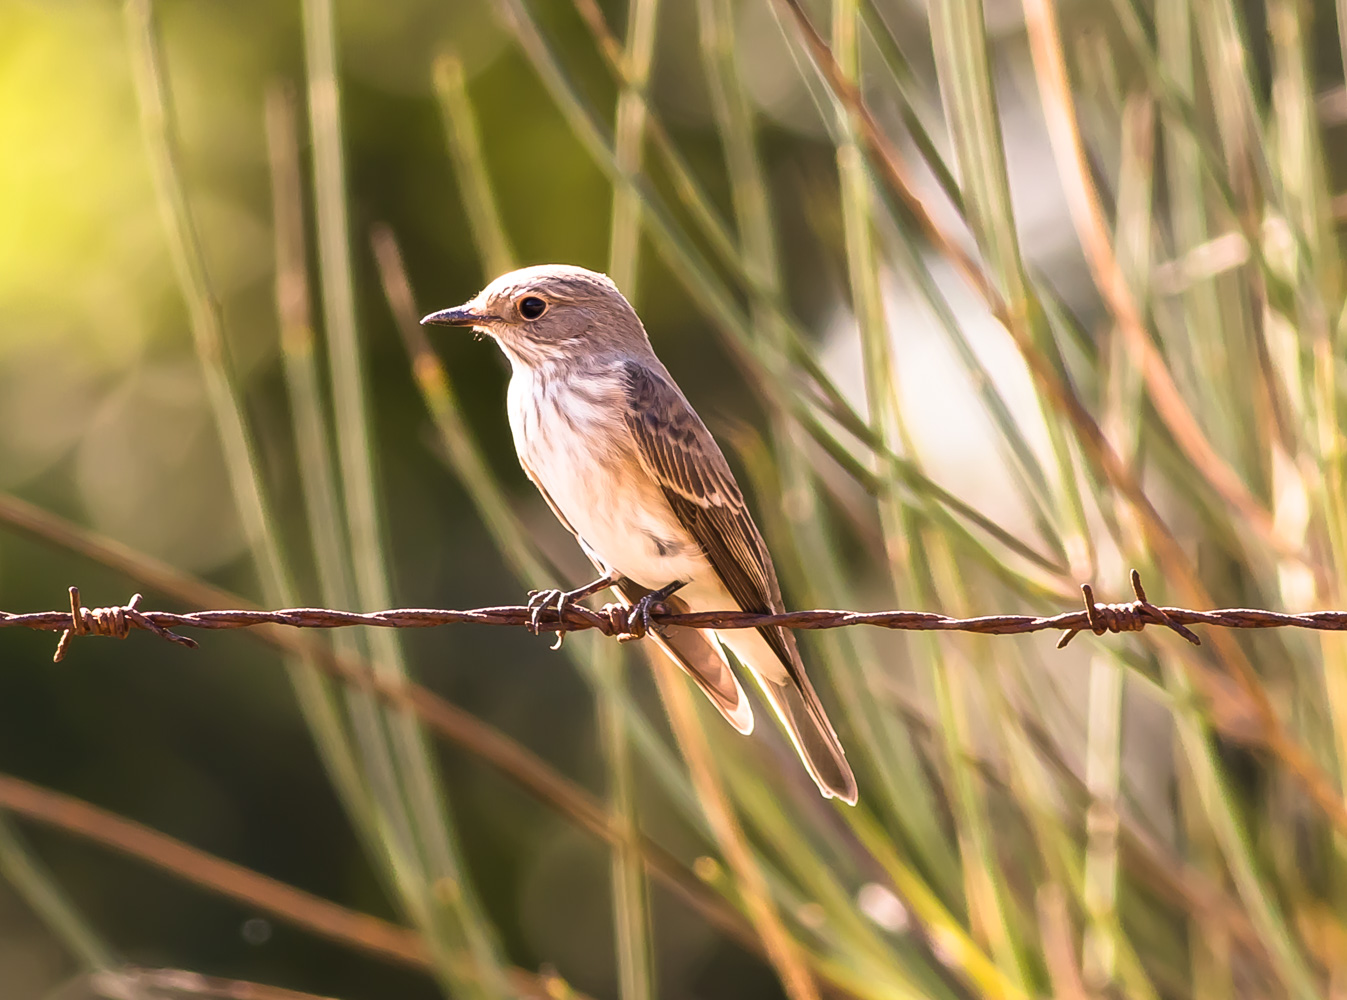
(681, 455)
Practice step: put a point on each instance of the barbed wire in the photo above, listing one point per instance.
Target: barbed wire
(623, 624)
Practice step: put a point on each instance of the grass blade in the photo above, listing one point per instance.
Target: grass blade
(1217, 800)
(315, 695)
(388, 840)
(455, 921)
(959, 40)
(1050, 66)
(863, 271)
(783, 951)
(465, 149)
(630, 908)
(1103, 773)
(44, 896)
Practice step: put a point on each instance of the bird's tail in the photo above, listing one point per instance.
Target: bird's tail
(811, 732)
(796, 704)
(700, 655)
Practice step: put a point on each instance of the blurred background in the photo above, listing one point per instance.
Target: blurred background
(984, 300)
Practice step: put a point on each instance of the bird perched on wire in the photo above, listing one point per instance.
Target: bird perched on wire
(630, 469)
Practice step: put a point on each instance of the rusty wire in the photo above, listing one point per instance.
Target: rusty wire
(620, 623)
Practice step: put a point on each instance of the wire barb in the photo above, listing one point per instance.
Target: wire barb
(116, 623)
(1132, 616)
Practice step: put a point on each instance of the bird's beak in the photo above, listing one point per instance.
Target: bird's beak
(464, 315)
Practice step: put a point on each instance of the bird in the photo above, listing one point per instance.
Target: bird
(620, 456)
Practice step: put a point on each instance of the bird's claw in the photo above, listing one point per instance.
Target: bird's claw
(538, 603)
(639, 620)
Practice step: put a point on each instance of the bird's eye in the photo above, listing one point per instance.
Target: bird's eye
(531, 307)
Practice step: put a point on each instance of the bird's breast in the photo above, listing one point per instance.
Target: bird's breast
(571, 434)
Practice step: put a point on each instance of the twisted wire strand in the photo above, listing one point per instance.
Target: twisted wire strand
(618, 622)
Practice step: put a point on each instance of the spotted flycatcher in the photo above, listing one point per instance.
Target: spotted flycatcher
(627, 465)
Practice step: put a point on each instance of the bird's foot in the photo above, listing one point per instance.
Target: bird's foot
(541, 600)
(639, 621)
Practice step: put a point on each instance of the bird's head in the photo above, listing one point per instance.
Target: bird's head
(550, 312)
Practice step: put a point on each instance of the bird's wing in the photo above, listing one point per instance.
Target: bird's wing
(679, 453)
